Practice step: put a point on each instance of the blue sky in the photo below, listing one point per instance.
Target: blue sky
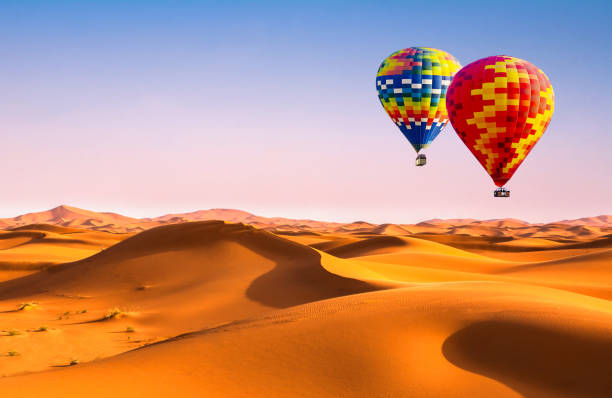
(146, 107)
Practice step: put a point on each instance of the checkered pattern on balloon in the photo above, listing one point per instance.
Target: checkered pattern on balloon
(500, 106)
(412, 85)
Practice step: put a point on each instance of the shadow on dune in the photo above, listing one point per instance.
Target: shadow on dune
(24, 234)
(294, 233)
(24, 266)
(366, 246)
(534, 360)
(602, 242)
(298, 276)
(579, 261)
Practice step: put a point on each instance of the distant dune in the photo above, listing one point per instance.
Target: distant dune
(599, 221)
(280, 307)
(69, 216)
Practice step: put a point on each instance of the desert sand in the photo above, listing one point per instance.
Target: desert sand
(98, 305)
(33, 247)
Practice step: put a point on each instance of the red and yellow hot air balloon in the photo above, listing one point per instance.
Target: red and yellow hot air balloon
(500, 106)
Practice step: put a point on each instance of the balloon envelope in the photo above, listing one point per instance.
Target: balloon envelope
(500, 106)
(412, 85)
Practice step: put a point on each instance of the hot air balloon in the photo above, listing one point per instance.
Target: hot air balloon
(412, 86)
(500, 106)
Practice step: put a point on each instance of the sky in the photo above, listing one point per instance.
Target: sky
(151, 107)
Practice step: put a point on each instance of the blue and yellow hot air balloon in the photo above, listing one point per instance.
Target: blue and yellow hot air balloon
(412, 86)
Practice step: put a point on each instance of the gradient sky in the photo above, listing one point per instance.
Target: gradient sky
(150, 107)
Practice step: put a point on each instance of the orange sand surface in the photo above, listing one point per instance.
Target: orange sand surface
(211, 308)
(30, 248)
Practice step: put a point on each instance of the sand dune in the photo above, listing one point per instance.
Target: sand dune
(412, 260)
(466, 339)
(164, 282)
(69, 216)
(306, 313)
(599, 221)
(66, 215)
(389, 244)
(390, 229)
(33, 247)
(152, 258)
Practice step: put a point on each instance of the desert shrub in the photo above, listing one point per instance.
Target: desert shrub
(26, 306)
(114, 313)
